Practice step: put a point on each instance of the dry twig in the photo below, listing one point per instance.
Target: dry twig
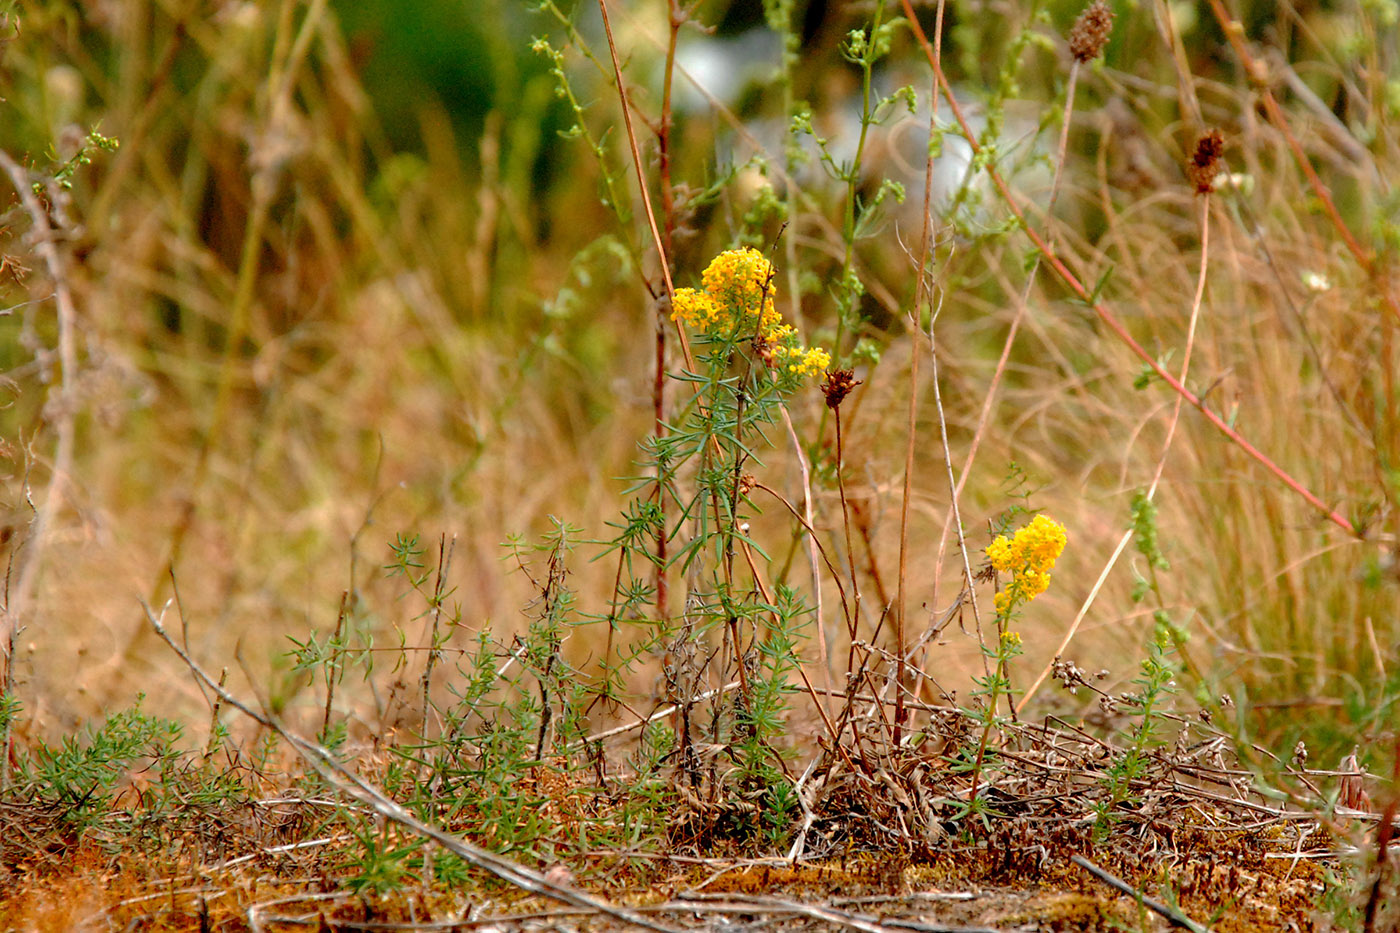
(1173, 916)
(345, 781)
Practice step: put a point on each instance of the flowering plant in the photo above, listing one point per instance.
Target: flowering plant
(737, 301)
(1028, 555)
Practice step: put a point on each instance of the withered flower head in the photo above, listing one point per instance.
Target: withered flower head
(746, 483)
(838, 385)
(1205, 162)
(765, 348)
(1090, 32)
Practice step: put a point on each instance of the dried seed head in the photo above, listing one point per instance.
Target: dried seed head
(838, 385)
(746, 484)
(765, 348)
(1090, 32)
(1068, 674)
(1353, 787)
(1205, 162)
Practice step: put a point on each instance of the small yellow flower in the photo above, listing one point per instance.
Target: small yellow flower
(695, 309)
(1010, 640)
(742, 281)
(999, 553)
(1029, 555)
(803, 361)
(738, 301)
(815, 360)
(1033, 582)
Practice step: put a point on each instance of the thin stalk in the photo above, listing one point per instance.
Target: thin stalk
(668, 211)
(662, 255)
(1161, 459)
(921, 303)
(215, 709)
(1108, 318)
(60, 400)
(848, 228)
(854, 618)
(333, 666)
(953, 487)
(1258, 77)
(440, 591)
(991, 715)
(7, 686)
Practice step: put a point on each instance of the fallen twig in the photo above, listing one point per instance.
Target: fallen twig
(352, 784)
(829, 914)
(255, 912)
(1173, 916)
(729, 904)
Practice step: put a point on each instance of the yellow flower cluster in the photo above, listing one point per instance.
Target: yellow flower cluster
(738, 300)
(783, 350)
(1029, 555)
(695, 309)
(804, 361)
(742, 280)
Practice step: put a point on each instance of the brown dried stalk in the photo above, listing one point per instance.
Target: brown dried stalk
(1104, 314)
(1258, 76)
(351, 784)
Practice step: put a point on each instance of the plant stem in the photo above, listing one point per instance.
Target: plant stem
(1107, 316)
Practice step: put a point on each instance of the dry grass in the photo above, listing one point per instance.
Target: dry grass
(297, 338)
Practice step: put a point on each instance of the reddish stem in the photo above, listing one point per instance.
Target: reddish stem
(1258, 76)
(1103, 313)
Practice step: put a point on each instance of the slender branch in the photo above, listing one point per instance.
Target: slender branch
(351, 784)
(1109, 319)
(1161, 461)
(1258, 76)
(60, 402)
(1173, 916)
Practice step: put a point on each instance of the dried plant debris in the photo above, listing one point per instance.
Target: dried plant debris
(880, 844)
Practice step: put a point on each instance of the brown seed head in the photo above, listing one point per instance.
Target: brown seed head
(764, 348)
(1205, 163)
(1090, 32)
(837, 386)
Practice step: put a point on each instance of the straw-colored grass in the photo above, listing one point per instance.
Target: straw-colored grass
(296, 339)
